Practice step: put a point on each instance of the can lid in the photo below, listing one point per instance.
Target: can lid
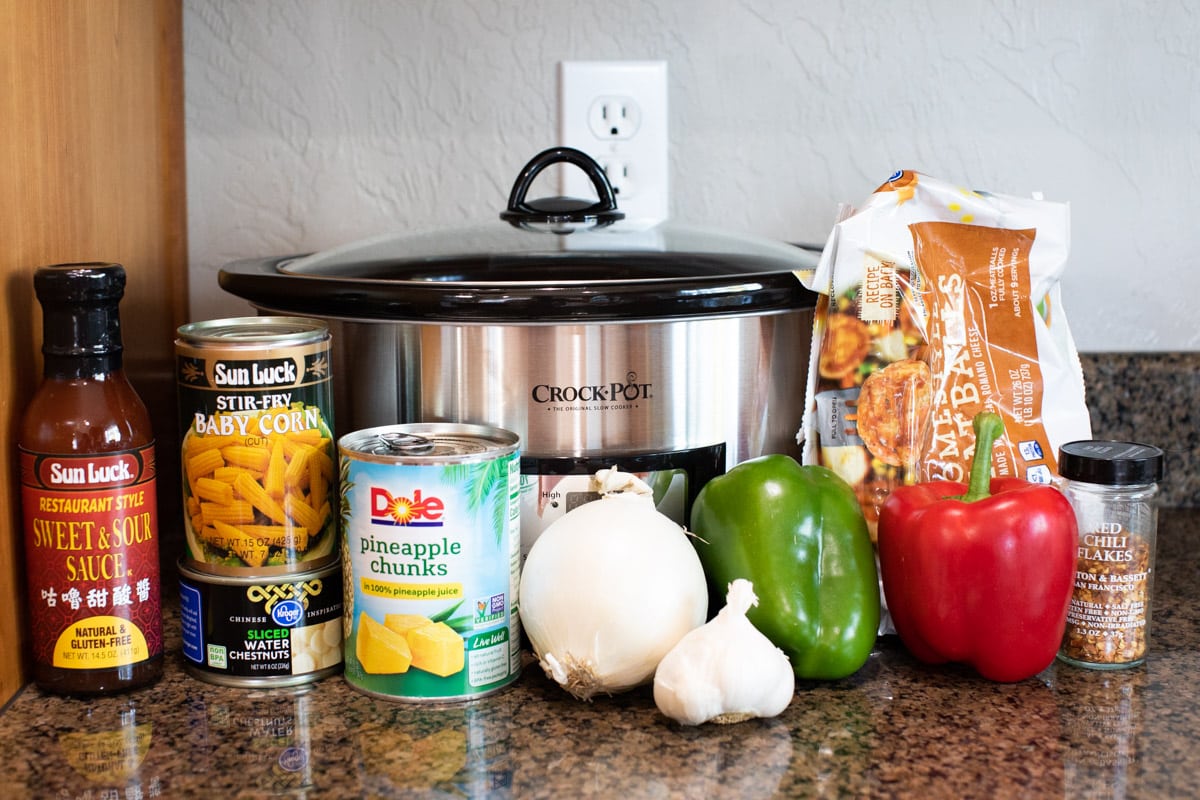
(254, 331)
(434, 442)
(1111, 463)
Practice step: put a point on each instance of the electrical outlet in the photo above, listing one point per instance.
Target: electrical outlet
(616, 112)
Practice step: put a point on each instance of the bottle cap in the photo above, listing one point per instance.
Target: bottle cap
(96, 282)
(1111, 463)
(79, 302)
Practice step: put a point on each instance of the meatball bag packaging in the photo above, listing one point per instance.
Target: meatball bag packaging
(937, 303)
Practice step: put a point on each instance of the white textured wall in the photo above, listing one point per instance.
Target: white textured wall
(316, 122)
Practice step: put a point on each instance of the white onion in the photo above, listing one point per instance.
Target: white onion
(608, 589)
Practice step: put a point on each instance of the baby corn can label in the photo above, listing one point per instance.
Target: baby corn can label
(432, 548)
(261, 632)
(257, 446)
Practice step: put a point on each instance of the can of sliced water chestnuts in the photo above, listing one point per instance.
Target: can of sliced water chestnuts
(261, 632)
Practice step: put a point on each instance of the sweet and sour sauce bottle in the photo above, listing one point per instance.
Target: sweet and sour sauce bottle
(88, 495)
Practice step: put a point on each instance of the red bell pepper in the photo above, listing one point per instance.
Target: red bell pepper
(978, 576)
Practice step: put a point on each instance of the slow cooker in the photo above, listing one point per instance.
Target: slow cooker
(670, 351)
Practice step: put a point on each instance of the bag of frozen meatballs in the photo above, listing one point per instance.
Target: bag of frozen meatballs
(939, 302)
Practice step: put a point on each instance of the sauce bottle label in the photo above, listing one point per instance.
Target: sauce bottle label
(91, 541)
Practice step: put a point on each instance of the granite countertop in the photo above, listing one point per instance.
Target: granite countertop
(894, 729)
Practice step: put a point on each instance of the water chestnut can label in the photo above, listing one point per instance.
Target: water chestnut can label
(91, 532)
(264, 632)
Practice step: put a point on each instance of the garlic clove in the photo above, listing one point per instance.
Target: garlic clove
(726, 670)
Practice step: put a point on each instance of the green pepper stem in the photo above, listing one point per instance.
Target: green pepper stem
(988, 428)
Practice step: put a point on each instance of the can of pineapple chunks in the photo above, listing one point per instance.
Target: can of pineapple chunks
(431, 552)
(256, 445)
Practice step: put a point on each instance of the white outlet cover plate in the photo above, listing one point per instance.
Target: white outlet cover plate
(616, 112)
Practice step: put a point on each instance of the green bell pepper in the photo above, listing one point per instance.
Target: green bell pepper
(798, 534)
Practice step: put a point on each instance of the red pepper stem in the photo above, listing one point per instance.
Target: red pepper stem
(988, 428)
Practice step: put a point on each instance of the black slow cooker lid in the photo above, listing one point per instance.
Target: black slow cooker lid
(547, 260)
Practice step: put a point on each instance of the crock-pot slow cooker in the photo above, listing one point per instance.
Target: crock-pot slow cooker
(668, 351)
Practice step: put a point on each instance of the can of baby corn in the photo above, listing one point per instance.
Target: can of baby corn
(256, 445)
(431, 558)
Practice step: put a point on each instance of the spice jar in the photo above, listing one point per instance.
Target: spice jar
(1112, 486)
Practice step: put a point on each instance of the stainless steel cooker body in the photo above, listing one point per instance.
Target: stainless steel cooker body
(584, 389)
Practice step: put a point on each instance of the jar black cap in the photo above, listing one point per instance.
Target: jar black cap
(91, 282)
(1111, 463)
(80, 317)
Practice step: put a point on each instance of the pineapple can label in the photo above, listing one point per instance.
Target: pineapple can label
(257, 450)
(431, 553)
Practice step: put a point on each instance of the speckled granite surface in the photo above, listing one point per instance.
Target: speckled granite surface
(1152, 398)
(895, 729)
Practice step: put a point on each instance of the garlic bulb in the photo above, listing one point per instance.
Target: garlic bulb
(726, 671)
(609, 588)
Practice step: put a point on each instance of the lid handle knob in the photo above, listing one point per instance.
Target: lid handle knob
(521, 212)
